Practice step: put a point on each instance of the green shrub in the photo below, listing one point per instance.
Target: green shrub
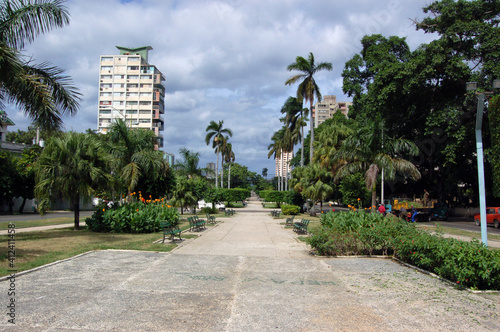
(469, 264)
(209, 210)
(290, 209)
(135, 217)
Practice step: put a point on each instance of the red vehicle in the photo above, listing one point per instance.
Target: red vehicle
(492, 217)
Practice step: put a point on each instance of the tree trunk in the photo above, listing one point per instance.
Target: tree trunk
(302, 141)
(222, 173)
(21, 209)
(76, 208)
(374, 198)
(229, 178)
(217, 171)
(312, 135)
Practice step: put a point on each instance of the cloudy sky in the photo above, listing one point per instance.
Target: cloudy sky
(223, 60)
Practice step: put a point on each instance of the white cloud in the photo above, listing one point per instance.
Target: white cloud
(223, 60)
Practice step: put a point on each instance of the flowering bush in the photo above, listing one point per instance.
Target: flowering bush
(469, 264)
(137, 217)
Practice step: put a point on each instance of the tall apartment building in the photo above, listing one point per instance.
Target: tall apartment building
(131, 89)
(282, 167)
(326, 108)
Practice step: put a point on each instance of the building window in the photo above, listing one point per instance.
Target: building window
(119, 85)
(133, 86)
(106, 77)
(105, 103)
(133, 68)
(133, 58)
(144, 112)
(118, 94)
(132, 102)
(146, 77)
(105, 94)
(132, 77)
(132, 94)
(107, 58)
(145, 103)
(145, 94)
(131, 111)
(109, 68)
(146, 85)
(119, 77)
(144, 121)
(106, 85)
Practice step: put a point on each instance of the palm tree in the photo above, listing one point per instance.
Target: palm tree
(183, 194)
(371, 150)
(276, 149)
(307, 88)
(71, 167)
(189, 165)
(294, 121)
(328, 142)
(41, 90)
(133, 153)
(229, 158)
(215, 133)
(264, 172)
(312, 181)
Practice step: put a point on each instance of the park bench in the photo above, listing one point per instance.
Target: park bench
(301, 226)
(196, 224)
(275, 213)
(229, 212)
(171, 230)
(210, 219)
(200, 222)
(289, 221)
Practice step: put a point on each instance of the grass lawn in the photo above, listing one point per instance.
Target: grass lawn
(34, 249)
(41, 222)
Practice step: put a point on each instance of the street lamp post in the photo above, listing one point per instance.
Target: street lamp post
(472, 86)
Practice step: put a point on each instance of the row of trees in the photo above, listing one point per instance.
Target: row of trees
(411, 117)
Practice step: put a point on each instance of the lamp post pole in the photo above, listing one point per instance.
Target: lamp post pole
(481, 98)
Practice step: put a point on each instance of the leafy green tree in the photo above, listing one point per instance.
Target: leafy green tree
(8, 176)
(242, 177)
(307, 88)
(215, 133)
(371, 150)
(70, 167)
(41, 90)
(353, 187)
(470, 28)
(25, 180)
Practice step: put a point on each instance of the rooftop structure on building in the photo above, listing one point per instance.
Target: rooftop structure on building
(326, 108)
(131, 89)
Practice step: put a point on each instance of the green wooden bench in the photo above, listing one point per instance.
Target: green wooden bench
(210, 219)
(171, 230)
(196, 224)
(289, 221)
(275, 213)
(229, 212)
(301, 226)
(200, 222)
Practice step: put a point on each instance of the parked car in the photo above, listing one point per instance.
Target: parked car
(219, 206)
(492, 217)
(438, 212)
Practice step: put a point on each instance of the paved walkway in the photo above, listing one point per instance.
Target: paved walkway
(246, 274)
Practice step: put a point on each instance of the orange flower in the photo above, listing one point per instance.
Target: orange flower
(137, 210)
(359, 199)
(168, 206)
(103, 210)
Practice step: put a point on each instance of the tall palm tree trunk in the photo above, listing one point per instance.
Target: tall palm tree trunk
(302, 141)
(217, 171)
(222, 173)
(229, 178)
(374, 197)
(311, 151)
